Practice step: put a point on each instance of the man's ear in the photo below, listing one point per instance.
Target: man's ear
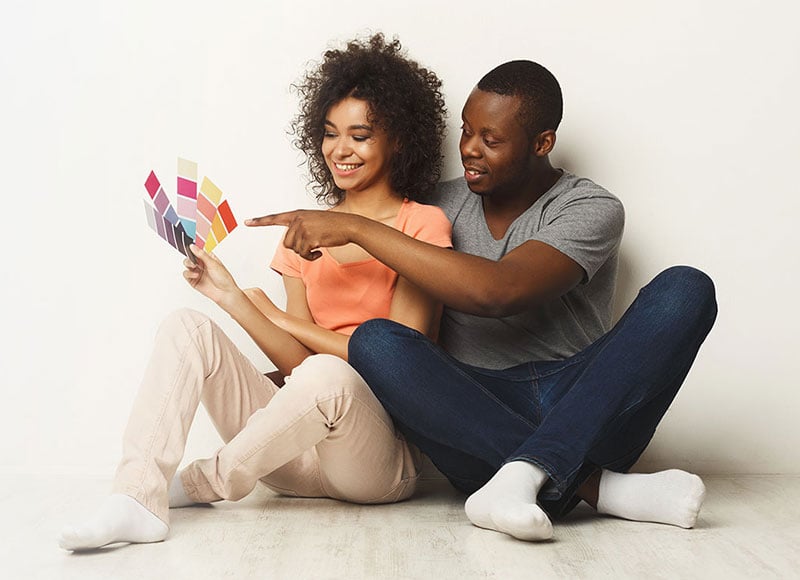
(544, 142)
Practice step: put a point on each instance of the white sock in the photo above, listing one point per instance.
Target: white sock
(119, 519)
(177, 494)
(507, 503)
(667, 497)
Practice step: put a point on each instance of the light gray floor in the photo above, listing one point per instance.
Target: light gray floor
(749, 528)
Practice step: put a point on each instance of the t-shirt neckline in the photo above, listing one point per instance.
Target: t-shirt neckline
(326, 253)
(546, 194)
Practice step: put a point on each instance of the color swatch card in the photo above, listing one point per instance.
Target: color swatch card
(202, 217)
(187, 194)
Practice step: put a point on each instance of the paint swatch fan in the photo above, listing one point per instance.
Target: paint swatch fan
(202, 217)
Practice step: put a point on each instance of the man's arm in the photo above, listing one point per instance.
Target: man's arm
(531, 274)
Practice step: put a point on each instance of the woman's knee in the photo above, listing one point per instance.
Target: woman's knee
(183, 321)
(323, 374)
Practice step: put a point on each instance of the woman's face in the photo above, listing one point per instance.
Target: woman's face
(357, 153)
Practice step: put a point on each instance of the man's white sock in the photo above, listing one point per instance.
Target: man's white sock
(667, 497)
(507, 503)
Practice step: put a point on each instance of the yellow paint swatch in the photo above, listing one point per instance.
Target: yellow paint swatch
(218, 228)
(211, 191)
(211, 242)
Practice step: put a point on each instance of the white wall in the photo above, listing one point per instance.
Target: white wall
(686, 110)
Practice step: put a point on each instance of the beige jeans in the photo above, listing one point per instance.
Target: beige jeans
(324, 434)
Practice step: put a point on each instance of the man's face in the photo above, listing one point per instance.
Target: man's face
(495, 149)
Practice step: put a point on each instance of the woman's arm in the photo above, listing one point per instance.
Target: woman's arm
(210, 277)
(416, 309)
(410, 306)
(297, 319)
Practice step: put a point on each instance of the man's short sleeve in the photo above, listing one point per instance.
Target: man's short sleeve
(450, 196)
(586, 226)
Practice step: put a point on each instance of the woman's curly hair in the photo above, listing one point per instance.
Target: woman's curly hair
(404, 99)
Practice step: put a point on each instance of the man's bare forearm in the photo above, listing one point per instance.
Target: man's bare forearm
(531, 274)
(461, 281)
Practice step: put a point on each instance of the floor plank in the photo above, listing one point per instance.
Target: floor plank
(749, 528)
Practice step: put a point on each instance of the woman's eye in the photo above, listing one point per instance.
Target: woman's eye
(328, 135)
(360, 138)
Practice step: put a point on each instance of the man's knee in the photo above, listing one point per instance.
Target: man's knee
(688, 290)
(689, 278)
(372, 342)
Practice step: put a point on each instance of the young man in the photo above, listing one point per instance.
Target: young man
(533, 401)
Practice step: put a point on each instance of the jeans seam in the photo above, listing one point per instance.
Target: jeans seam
(570, 362)
(537, 399)
(563, 482)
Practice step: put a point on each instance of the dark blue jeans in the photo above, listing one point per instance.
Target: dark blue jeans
(596, 409)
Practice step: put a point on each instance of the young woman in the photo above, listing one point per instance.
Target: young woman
(371, 125)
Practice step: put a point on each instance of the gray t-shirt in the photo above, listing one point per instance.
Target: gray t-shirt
(578, 218)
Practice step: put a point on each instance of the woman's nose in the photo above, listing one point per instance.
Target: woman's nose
(342, 148)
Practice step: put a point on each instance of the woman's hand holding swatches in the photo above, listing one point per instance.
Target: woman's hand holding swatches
(210, 277)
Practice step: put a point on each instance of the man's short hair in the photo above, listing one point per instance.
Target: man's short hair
(542, 104)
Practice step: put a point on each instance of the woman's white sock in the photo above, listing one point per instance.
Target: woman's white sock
(119, 519)
(177, 494)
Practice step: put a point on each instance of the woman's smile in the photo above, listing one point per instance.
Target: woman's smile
(356, 151)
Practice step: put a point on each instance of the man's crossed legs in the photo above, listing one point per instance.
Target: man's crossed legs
(530, 441)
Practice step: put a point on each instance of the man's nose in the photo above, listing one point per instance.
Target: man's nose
(469, 147)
